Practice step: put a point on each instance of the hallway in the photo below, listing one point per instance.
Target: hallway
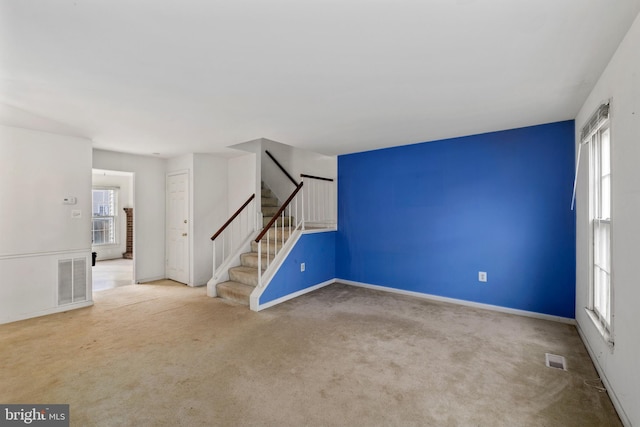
(112, 273)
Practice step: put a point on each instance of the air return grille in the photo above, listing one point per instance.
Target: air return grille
(555, 361)
(72, 280)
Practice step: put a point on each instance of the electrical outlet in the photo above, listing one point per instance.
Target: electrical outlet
(482, 276)
(302, 266)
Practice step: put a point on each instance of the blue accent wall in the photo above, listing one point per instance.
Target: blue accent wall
(428, 217)
(317, 251)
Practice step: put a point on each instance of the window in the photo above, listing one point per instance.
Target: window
(104, 218)
(599, 141)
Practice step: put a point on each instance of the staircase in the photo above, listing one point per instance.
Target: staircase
(244, 278)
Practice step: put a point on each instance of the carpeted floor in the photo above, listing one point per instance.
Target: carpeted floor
(164, 354)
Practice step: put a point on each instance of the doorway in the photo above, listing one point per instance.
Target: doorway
(112, 229)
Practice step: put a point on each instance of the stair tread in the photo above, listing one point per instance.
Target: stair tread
(273, 233)
(244, 274)
(270, 210)
(250, 259)
(238, 285)
(271, 245)
(287, 220)
(235, 291)
(254, 255)
(244, 268)
(269, 201)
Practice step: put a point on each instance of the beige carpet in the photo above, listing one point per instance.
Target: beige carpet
(164, 354)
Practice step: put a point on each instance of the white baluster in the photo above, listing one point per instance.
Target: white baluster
(224, 244)
(302, 209)
(260, 264)
(214, 260)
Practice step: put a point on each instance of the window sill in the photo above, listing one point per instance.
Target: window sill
(608, 339)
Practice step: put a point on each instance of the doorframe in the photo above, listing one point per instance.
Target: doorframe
(132, 183)
(189, 219)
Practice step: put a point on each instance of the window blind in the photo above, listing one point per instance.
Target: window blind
(593, 124)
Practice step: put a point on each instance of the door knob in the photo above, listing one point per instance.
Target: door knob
(184, 234)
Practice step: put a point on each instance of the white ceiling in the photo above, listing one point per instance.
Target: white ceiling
(332, 76)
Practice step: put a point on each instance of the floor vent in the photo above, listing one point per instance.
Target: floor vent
(72, 280)
(555, 361)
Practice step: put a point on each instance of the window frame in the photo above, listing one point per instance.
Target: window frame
(602, 321)
(113, 219)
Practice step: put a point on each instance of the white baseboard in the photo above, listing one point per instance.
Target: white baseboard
(295, 294)
(431, 297)
(55, 310)
(150, 279)
(612, 394)
(323, 228)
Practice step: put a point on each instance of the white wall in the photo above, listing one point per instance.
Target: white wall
(620, 82)
(242, 178)
(211, 208)
(253, 147)
(39, 170)
(149, 210)
(125, 200)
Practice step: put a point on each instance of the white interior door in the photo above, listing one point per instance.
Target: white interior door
(178, 227)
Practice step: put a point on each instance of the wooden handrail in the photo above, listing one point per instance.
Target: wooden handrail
(304, 175)
(277, 215)
(230, 220)
(281, 168)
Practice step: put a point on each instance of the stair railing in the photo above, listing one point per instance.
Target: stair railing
(281, 168)
(288, 219)
(320, 200)
(234, 232)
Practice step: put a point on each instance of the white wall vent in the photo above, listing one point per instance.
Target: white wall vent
(555, 361)
(72, 280)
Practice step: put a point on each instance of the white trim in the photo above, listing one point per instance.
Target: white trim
(294, 295)
(153, 279)
(58, 309)
(462, 302)
(610, 391)
(319, 230)
(595, 153)
(604, 334)
(105, 187)
(39, 254)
